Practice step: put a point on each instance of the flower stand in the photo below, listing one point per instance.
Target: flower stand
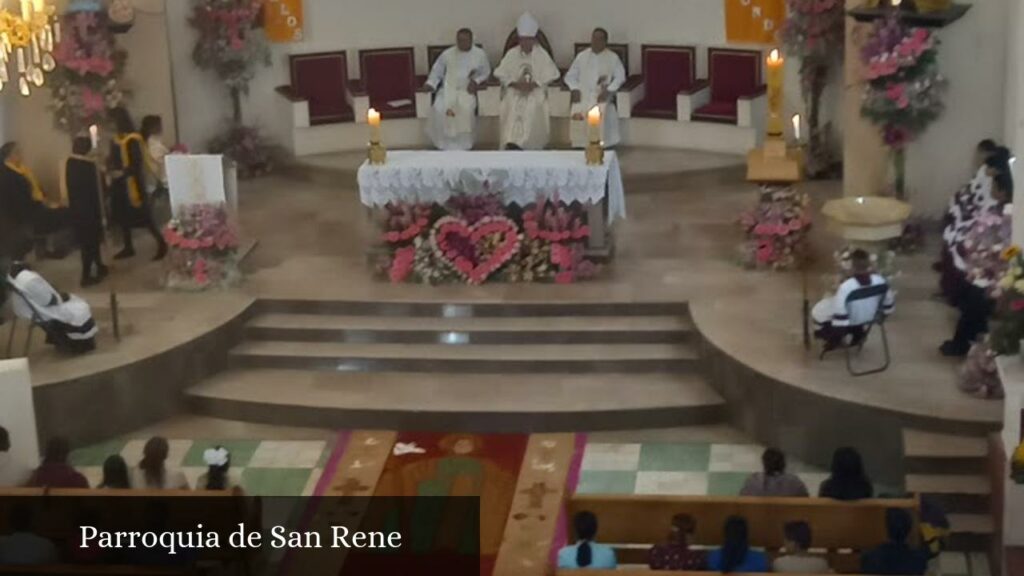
(203, 249)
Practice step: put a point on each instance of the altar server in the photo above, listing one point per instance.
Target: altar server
(596, 74)
(456, 76)
(836, 320)
(524, 72)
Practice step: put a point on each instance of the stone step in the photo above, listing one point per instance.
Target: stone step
(936, 453)
(476, 358)
(954, 493)
(471, 330)
(486, 403)
(474, 309)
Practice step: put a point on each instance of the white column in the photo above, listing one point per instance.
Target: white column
(18, 416)
(1014, 117)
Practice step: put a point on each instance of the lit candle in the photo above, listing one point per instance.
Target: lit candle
(594, 124)
(38, 5)
(373, 119)
(26, 10)
(774, 64)
(94, 136)
(896, 3)
(796, 127)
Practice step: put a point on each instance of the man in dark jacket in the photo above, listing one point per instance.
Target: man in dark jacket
(896, 557)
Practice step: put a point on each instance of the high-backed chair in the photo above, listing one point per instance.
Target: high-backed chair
(319, 89)
(668, 72)
(387, 83)
(735, 79)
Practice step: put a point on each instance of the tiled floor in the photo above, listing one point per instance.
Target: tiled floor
(265, 467)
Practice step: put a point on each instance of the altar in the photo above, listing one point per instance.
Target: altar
(481, 216)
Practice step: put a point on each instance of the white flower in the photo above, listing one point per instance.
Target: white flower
(218, 456)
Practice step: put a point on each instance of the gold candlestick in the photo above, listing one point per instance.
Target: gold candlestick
(595, 151)
(376, 152)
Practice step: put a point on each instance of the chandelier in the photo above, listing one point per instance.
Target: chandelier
(28, 39)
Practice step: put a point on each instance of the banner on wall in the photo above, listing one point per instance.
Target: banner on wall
(753, 21)
(282, 20)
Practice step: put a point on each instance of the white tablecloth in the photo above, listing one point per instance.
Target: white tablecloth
(520, 177)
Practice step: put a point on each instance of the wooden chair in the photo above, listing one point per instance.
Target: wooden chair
(388, 81)
(734, 76)
(667, 73)
(319, 88)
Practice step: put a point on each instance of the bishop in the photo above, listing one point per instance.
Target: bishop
(524, 73)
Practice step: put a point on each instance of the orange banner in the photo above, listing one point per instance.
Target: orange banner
(282, 20)
(753, 21)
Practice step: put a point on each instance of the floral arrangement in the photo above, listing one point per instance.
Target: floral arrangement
(231, 44)
(203, 248)
(473, 239)
(776, 229)
(1009, 328)
(814, 32)
(86, 82)
(986, 260)
(1017, 464)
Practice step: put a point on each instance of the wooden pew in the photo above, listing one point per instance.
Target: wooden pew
(645, 572)
(843, 529)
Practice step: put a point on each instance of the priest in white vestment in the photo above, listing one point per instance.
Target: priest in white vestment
(525, 72)
(595, 76)
(456, 76)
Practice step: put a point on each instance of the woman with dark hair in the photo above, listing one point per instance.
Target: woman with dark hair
(848, 480)
(675, 553)
(129, 202)
(735, 554)
(774, 480)
(55, 472)
(115, 473)
(586, 553)
(81, 182)
(152, 471)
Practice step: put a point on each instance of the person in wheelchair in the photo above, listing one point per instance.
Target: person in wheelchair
(65, 318)
(836, 320)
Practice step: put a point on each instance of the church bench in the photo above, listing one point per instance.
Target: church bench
(633, 523)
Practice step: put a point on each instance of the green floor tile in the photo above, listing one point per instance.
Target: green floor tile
(241, 451)
(606, 482)
(657, 457)
(96, 454)
(275, 481)
(726, 483)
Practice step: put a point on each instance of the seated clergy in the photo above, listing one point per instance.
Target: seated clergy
(596, 74)
(66, 318)
(456, 76)
(835, 319)
(524, 73)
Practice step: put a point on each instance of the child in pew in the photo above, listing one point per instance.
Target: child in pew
(676, 554)
(735, 554)
(797, 559)
(586, 553)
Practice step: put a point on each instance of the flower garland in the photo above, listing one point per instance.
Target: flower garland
(203, 248)
(1009, 328)
(86, 83)
(776, 229)
(987, 263)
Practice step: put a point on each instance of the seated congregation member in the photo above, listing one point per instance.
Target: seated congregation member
(836, 320)
(130, 205)
(895, 556)
(458, 73)
(594, 77)
(55, 472)
(23, 547)
(974, 300)
(85, 201)
(675, 552)
(66, 318)
(797, 559)
(524, 73)
(847, 480)
(152, 472)
(586, 553)
(115, 474)
(33, 212)
(218, 475)
(735, 554)
(774, 480)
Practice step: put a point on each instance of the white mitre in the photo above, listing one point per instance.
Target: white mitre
(527, 25)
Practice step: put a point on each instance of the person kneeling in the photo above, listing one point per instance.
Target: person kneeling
(836, 320)
(66, 319)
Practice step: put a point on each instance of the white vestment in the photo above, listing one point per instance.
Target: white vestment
(590, 74)
(74, 313)
(834, 308)
(450, 77)
(525, 117)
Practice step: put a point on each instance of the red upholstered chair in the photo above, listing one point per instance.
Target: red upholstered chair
(734, 75)
(667, 72)
(388, 75)
(319, 82)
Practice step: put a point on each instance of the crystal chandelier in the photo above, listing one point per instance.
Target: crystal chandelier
(28, 39)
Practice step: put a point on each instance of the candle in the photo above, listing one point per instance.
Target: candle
(774, 63)
(896, 3)
(775, 58)
(94, 136)
(38, 5)
(21, 60)
(26, 10)
(373, 119)
(796, 127)
(594, 124)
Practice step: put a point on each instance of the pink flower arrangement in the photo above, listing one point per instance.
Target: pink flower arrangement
(402, 265)
(476, 251)
(985, 243)
(552, 221)
(203, 246)
(776, 228)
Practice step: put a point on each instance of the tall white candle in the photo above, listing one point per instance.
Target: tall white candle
(94, 136)
(796, 127)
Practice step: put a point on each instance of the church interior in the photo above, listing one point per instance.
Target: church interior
(662, 285)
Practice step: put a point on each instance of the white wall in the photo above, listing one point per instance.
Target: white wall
(18, 416)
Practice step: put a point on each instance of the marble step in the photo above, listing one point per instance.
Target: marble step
(471, 330)
(937, 453)
(471, 309)
(484, 402)
(476, 358)
(954, 493)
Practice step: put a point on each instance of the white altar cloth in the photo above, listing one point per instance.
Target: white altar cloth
(520, 177)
